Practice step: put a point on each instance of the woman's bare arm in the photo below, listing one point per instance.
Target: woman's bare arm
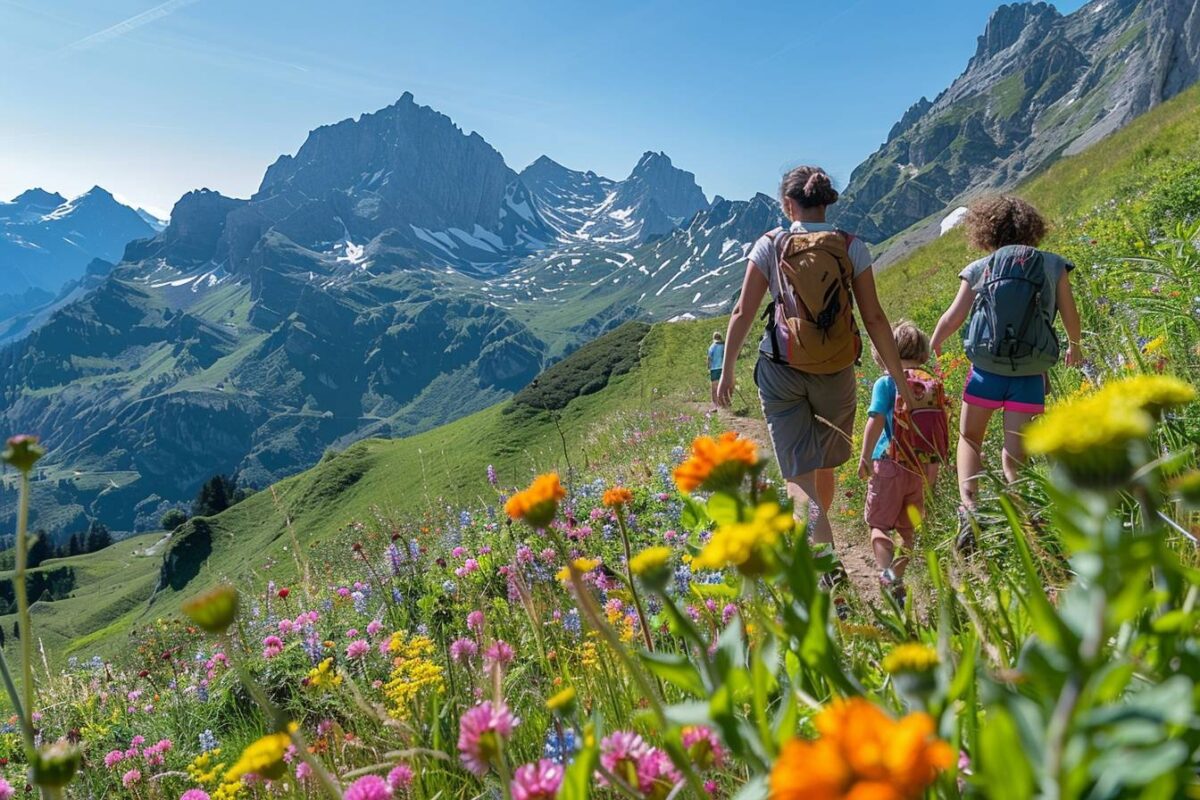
(754, 288)
(880, 331)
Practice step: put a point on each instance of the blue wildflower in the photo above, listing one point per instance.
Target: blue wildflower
(571, 623)
(560, 746)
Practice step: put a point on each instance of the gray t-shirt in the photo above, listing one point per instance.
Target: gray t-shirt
(762, 256)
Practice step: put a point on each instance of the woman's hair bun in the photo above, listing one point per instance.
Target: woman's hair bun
(809, 186)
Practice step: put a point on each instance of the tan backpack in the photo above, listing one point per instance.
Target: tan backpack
(811, 316)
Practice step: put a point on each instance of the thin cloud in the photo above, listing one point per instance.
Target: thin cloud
(133, 23)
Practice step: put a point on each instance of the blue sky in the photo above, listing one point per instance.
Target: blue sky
(150, 99)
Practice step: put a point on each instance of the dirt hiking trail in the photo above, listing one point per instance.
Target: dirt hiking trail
(849, 535)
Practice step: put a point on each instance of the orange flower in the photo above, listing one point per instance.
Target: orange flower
(619, 496)
(716, 463)
(538, 504)
(862, 754)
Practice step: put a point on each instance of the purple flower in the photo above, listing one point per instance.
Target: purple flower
(369, 787)
(537, 781)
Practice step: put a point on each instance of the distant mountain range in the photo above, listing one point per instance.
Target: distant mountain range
(395, 273)
(48, 245)
(1039, 86)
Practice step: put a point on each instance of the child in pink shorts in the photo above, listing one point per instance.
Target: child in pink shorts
(894, 485)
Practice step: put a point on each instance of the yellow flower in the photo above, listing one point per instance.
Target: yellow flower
(746, 545)
(1152, 393)
(1091, 437)
(1154, 345)
(263, 757)
(651, 562)
(850, 629)
(410, 646)
(229, 790)
(538, 504)
(861, 753)
(716, 463)
(563, 702)
(581, 565)
(588, 656)
(910, 657)
(414, 674)
(205, 769)
(323, 676)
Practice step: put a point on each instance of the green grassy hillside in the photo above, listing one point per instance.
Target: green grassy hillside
(111, 588)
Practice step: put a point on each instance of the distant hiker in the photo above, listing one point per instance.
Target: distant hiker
(903, 446)
(716, 357)
(1011, 297)
(805, 371)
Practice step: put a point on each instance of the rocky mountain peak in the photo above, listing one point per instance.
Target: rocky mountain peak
(1010, 22)
(673, 190)
(38, 198)
(428, 171)
(198, 222)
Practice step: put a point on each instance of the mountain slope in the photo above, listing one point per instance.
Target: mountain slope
(1040, 85)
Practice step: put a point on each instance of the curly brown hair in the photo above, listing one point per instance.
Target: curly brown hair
(810, 187)
(1001, 220)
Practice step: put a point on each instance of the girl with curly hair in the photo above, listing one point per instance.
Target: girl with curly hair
(1009, 300)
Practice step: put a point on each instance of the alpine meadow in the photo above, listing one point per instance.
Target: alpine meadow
(401, 479)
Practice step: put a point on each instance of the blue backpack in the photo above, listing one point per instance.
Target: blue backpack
(1011, 331)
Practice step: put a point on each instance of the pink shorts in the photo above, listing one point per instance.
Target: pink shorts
(890, 491)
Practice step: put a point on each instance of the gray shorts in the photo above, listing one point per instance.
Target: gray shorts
(810, 417)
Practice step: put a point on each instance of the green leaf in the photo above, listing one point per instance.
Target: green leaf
(676, 670)
(965, 675)
(787, 719)
(1176, 621)
(1046, 621)
(1003, 764)
(693, 517)
(724, 509)
(721, 590)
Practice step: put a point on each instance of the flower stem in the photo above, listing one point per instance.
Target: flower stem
(23, 608)
(637, 600)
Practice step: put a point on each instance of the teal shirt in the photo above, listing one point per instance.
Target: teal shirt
(716, 355)
(883, 404)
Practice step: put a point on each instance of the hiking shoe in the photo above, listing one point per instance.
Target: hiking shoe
(892, 585)
(832, 579)
(965, 543)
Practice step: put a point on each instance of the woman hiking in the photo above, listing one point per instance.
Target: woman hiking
(805, 371)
